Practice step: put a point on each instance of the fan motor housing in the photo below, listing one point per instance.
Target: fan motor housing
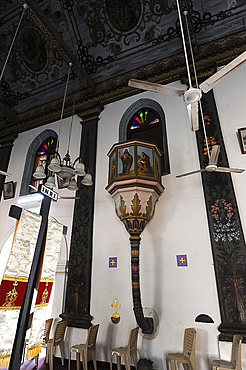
(192, 95)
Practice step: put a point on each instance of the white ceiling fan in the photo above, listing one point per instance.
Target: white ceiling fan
(59, 197)
(191, 95)
(212, 164)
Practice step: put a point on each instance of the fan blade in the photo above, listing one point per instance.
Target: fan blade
(4, 173)
(208, 84)
(214, 155)
(228, 169)
(190, 173)
(150, 86)
(192, 109)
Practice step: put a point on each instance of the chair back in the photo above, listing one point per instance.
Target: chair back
(92, 336)
(133, 337)
(189, 342)
(47, 328)
(59, 331)
(236, 351)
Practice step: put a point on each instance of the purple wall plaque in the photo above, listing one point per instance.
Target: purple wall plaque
(182, 260)
(112, 262)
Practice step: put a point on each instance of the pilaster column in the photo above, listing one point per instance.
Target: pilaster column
(78, 291)
(226, 234)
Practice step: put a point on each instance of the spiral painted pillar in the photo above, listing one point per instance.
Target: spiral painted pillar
(135, 187)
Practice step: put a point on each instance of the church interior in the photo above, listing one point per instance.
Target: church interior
(131, 111)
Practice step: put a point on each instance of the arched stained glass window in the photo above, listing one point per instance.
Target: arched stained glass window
(43, 156)
(145, 124)
(145, 120)
(41, 148)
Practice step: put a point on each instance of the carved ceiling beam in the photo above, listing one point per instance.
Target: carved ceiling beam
(57, 43)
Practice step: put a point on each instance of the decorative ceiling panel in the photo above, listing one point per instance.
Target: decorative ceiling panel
(109, 41)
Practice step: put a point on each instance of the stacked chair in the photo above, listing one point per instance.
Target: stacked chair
(57, 340)
(83, 349)
(188, 357)
(126, 352)
(48, 324)
(235, 363)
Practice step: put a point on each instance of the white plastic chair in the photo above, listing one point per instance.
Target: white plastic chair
(83, 349)
(188, 357)
(126, 352)
(57, 340)
(235, 363)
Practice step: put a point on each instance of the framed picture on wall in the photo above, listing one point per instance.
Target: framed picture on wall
(62, 183)
(242, 139)
(8, 190)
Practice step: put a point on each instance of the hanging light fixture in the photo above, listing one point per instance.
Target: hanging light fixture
(72, 184)
(39, 173)
(87, 180)
(66, 169)
(50, 182)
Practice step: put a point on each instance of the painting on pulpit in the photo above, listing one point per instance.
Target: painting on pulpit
(145, 161)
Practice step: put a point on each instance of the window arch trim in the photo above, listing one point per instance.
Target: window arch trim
(30, 158)
(139, 104)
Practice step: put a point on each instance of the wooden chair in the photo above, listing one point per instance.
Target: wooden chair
(187, 358)
(235, 363)
(83, 349)
(57, 340)
(126, 352)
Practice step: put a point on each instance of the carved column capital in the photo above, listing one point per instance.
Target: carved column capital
(90, 113)
(8, 140)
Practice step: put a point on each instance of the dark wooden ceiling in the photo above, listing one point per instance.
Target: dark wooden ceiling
(108, 42)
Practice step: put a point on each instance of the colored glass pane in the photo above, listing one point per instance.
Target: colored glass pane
(143, 119)
(43, 156)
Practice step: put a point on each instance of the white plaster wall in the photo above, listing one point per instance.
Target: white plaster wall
(179, 226)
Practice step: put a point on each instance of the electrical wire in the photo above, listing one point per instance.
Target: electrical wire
(25, 6)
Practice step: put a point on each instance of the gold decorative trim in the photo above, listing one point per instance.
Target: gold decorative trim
(136, 206)
(41, 305)
(12, 278)
(123, 207)
(4, 361)
(11, 296)
(33, 351)
(148, 208)
(45, 295)
(46, 280)
(88, 119)
(17, 308)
